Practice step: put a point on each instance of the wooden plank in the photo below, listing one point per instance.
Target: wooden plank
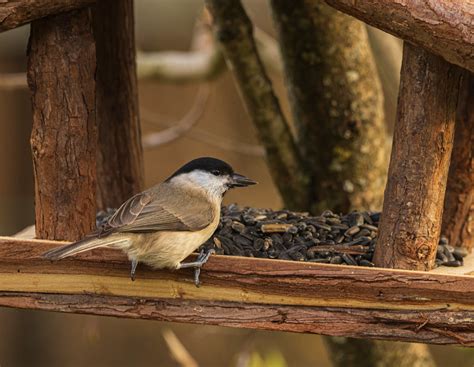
(16, 13)
(443, 27)
(246, 292)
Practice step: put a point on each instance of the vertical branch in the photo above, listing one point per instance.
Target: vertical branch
(458, 215)
(61, 68)
(337, 103)
(422, 144)
(234, 32)
(120, 160)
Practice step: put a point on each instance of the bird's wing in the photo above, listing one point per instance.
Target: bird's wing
(162, 209)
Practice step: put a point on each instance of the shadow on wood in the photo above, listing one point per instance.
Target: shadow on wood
(245, 292)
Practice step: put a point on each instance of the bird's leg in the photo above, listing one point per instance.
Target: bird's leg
(133, 269)
(200, 261)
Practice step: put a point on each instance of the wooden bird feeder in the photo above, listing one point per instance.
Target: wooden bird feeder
(81, 72)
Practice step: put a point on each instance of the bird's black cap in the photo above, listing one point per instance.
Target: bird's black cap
(209, 164)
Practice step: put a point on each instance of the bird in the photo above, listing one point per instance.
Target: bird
(163, 225)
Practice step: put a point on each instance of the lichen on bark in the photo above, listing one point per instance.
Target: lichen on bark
(337, 104)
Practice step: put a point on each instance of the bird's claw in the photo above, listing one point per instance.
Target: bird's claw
(202, 258)
(133, 269)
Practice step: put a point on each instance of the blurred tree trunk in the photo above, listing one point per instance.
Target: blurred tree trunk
(337, 104)
(120, 161)
(458, 215)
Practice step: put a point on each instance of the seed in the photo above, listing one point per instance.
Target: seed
(217, 242)
(364, 262)
(258, 244)
(336, 260)
(321, 261)
(453, 263)
(369, 227)
(460, 252)
(362, 233)
(443, 240)
(348, 259)
(277, 227)
(351, 231)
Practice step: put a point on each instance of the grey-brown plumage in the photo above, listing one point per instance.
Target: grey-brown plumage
(166, 223)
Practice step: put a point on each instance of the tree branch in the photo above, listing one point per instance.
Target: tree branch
(61, 76)
(183, 126)
(233, 30)
(14, 14)
(458, 213)
(444, 27)
(411, 220)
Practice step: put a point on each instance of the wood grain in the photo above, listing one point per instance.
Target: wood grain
(443, 27)
(61, 78)
(16, 13)
(458, 214)
(410, 225)
(246, 292)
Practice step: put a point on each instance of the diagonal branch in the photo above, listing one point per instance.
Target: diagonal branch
(183, 126)
(234, 32)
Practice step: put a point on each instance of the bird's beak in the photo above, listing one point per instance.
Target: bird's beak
(240, 181)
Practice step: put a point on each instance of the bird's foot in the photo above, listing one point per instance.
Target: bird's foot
(133, 269)
(200, 261)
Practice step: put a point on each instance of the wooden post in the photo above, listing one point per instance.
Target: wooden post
(458, 215)
(61, 69)
(422, 144)
(120, 161)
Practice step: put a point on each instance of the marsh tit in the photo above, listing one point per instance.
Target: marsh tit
(163, 225)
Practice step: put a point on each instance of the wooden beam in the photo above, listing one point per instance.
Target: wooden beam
(16, 13)
(61, 77)
(245, 292)
(444, 27)
(458, 214)
(411, 219)
(120, 156)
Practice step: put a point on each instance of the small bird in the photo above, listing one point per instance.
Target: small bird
(163, 225)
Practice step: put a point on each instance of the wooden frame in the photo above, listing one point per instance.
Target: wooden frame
(246, 292)
(428, 307)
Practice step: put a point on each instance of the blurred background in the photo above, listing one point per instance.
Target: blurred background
(222, 128)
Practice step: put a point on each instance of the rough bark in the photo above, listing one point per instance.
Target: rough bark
(337, 104)
(61, 68)
(458, 214)
(233, 30)
(245, 292)
(443, 27)
(411, 221)
(14, 14)
(120, 158)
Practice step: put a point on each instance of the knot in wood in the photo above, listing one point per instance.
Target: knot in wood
(423, 252)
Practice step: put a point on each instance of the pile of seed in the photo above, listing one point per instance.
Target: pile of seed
(329, 238)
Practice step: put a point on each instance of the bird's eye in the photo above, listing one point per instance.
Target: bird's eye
(216, 172)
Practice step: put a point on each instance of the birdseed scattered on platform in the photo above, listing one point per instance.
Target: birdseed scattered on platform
(328, 238)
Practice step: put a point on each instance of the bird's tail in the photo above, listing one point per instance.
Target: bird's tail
(83, 245)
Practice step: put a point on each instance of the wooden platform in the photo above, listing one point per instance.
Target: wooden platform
(246, 292)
